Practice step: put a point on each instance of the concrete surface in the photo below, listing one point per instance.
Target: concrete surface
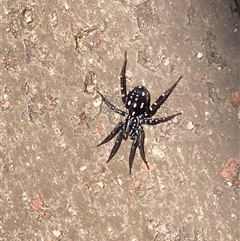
(55, 182)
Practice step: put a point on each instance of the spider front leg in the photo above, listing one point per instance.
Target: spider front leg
(123, 80)
(156, 121)
(163, 97)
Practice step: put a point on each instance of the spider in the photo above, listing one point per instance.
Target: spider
(139, 112)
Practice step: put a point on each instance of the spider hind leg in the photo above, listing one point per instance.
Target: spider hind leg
(113, 133)
(138, 141)
(132, 153)
(116, 145)
(141, 146)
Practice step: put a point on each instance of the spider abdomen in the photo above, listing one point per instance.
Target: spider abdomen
(138, 101)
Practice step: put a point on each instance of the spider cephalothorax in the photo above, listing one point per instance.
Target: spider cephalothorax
(139, 112)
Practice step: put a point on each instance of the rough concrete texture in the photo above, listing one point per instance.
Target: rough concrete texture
(56, 184)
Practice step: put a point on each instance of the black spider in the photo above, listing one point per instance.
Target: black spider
(139, 112)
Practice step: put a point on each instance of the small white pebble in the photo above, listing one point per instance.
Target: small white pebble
(100, 184)
(119, 181)
(83, 168)
(110, 229)
(162, 187)
(29, 19)
(56, 233)
(238, 115)
(157, 152)
(175, 119)
(66, 7)
(190, 125)
(166, 61)
(199, 55)
(207, 114)
(97, 102)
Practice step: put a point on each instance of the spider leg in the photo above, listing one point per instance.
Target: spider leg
(111, 106)
(123, 80)
(162, 98)
(156, 121)
(141, 146)
(116, 145)
(113, 133)
(132, 153)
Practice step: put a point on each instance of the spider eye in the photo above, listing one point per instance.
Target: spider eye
(138, 101)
